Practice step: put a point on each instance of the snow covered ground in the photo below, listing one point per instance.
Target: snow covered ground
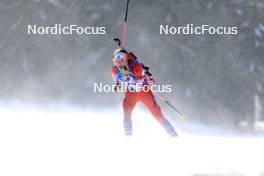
(91, 143)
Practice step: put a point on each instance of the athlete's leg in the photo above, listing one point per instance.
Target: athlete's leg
(129, 103)
(149, 101)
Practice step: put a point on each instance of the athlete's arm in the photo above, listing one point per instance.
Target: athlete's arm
(137, 71)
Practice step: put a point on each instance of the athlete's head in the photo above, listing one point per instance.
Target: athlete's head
(120, 57)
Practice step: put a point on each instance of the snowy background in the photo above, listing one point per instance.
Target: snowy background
(85, 143)
(49, 115)
(216, 79)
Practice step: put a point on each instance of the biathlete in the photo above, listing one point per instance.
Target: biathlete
(134, 76)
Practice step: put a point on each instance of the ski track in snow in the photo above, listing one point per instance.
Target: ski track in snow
(92, 143)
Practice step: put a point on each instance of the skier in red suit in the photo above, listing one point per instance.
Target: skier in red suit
(130, 73)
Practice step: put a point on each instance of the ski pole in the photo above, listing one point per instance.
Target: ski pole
(168, 103)
(121, 43)
(182, 115)
(125, 26)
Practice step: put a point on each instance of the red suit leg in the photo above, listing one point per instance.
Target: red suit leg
(129, 103)
(149, 101)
